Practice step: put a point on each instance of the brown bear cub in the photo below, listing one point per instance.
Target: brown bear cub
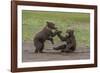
(45, 34)
(70, 40)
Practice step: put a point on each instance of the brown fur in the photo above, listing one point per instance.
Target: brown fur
(70, 45)
(43, 35)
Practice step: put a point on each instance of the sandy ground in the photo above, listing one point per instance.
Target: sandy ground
(28, 54)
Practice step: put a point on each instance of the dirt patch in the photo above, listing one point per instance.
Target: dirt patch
(28, 54)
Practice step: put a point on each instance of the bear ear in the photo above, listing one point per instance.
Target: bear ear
(47, 22)
(72, 31)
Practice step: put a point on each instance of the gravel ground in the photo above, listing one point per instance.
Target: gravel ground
(28, 54)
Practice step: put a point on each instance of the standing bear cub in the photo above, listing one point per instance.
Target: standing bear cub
(45, 34)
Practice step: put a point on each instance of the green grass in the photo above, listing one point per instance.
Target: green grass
(34, 21)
